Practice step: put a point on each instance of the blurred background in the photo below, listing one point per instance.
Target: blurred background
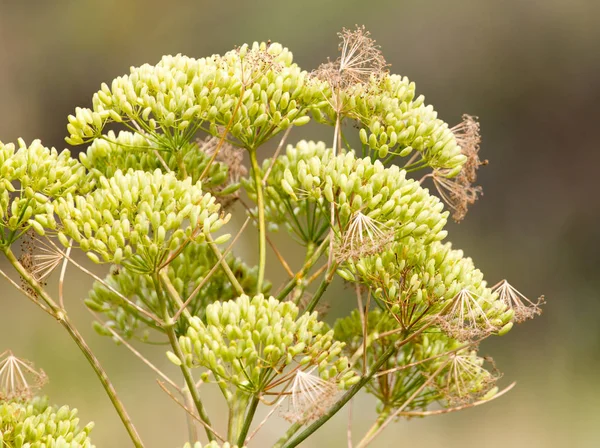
(529, 69)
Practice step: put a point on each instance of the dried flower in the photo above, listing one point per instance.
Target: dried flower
(39, 257)
(310, 397)
(465, 378)
(523, 308)
(458, 192)
(468, 138)
(360, 60)
(363, 237)
(232, 158)
(466, 318)
(18, 378)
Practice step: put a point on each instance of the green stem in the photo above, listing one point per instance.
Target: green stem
(288, 435)
(321, 289)
(248, 421)
(170, 330)
(61, 316)
(237, 410)
(230, 275)
(300, 275)
(262, 230)
(345, 398)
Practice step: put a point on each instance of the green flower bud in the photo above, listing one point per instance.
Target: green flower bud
(268, 340)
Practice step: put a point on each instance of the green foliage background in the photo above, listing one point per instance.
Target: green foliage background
(529, 70)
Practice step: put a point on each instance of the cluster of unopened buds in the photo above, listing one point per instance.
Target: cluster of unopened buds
(151, 197)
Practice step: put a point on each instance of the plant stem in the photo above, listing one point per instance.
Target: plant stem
(189, 381)
(345, 398)
(237, 410)
(288, 435)
(248, 420)
(230, 275)
(60, 315)
(321, 289)
(170, 330)
(262, 231)
(302, 273)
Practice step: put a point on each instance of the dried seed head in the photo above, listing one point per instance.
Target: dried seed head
(363, 237)
(466, 319)
(230, 156)
(468, 138)
(360, 59)
(256, 61)
(466, 379)
(18, 378)
(310, 397)
(39, 258)
(523, 308)
(458, 192)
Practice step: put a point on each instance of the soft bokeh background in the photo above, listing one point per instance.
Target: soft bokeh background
(529, 69)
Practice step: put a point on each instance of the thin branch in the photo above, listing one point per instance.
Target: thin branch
(63, 319)
(349, 429)
(211, 272)
(261, 424)
(457, 408)
(277, 151)
(366, 330)
(285, 265)
(316, 275)
(143, 359)
(61, 281)
(29, 296)
(431, 358)
(410, 399)
(230, 275)
(189, 412)
(147, 314)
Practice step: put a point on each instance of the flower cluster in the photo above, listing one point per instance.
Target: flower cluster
(37, 425)
(418, 282)
(256, 91)
(136, 218)
(310, 173)
(396, 124)
(249, 342)
(30, 178)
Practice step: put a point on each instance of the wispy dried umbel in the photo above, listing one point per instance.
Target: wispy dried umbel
(361, 58)
(459, 192)
(18, 379)
(363, 237)
(468, 138)
(465, 318)
(230, 156)
(465, 378)
(310, 397)
(39, 258)
(523, 308)
(459, 195)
